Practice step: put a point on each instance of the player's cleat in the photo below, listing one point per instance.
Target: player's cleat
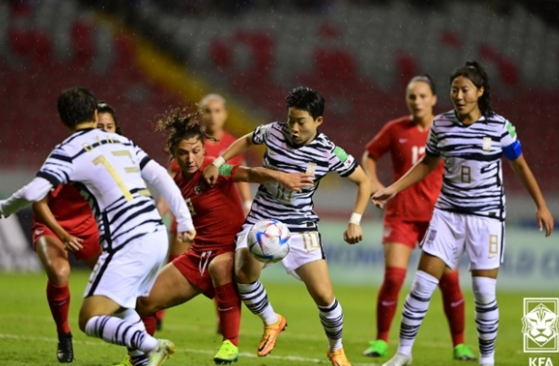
(399, 360)
(226, 354)
(338, 358)
(125, 362)
(463, 353)
(161, 353)
(65, 350)
(271, 332)
(378, 348)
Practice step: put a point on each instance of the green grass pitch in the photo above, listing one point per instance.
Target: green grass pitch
(28, 336)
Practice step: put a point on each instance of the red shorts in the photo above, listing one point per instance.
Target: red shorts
(193, 264)
(91, 246)
(409, 233)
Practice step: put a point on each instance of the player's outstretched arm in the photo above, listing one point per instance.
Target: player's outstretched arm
(353, 233)
(36, 190)
(419, 171)
(369, 165)
(43, 212)
(239, 147)
(292, 181)
(156, 175)
(523, 172)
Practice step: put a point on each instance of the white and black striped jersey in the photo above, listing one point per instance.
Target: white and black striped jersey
(318, 158)
(106, 169)
(473, 179)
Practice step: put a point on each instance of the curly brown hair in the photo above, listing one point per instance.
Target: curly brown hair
(181, 123)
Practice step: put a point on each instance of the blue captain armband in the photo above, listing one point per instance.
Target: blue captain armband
(513, 151)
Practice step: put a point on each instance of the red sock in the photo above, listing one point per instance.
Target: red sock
(58, 298)
(150, 321)
(453, 302)
(387, 300)
(229, 309)
(159, 315)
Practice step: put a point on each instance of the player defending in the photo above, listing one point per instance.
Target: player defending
(470, 212)
(407, 216)
(62, 223)
(296, 147)
(110, 170)
(207, 267)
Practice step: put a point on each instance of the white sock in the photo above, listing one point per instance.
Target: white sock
(487, 316)
(415, 308)
(114, 330)
(256, 300)
(332, 319)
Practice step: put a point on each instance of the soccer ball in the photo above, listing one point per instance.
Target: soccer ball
(268, 241)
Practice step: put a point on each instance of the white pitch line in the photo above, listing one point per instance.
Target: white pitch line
(183, 350)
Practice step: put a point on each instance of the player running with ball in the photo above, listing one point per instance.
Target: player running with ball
(296, 147)
(470, 212)
(109, 170)
(207, 266)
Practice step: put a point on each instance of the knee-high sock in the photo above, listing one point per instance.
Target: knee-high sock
(150, 322)
(487, 316)
(58, 298)
(332, 319)
(229, 311)
(415, 308)
(137, 357)
(387, 300)
(115, 330)
(256, 300)
(453, 302)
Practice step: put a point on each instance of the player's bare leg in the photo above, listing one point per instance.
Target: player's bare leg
(426, 279)
(396, 258)
(253, 294)
(54, 259)
(487, 313)
(316, 277)
(228, 305)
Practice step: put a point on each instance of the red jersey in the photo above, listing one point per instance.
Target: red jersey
(71, 211)
(216, 211)
(406, 144)
(215, 149)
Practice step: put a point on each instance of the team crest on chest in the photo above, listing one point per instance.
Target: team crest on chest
(486, 144)
(311, 168)
(199, 188)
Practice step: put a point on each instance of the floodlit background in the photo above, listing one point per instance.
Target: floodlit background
(146, 56)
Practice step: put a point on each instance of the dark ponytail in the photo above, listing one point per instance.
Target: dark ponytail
(477, 75)
(181, 124)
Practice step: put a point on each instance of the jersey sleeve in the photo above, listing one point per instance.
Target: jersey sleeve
(58, 167)
(341, 162)
(432, 146)
(380, 144)
(260, 134)
(509, 142)
(141, 156)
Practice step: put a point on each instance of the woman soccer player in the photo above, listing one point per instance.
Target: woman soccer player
(407, 217)
(62, 223)
(470, 212)
(207, 267)
(296, 146)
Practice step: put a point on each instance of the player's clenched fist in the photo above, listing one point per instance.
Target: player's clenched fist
(187, 236)
(353, 234)
(211, 172)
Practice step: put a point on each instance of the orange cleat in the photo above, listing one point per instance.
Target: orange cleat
(338, 358)
(271, 333)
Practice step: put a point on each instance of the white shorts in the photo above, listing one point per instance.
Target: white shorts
(130, 271)
(450, 234)
(304, 247)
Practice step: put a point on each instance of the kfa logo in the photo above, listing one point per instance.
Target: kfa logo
(540, 361)
(199, 188)
(540, 325)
